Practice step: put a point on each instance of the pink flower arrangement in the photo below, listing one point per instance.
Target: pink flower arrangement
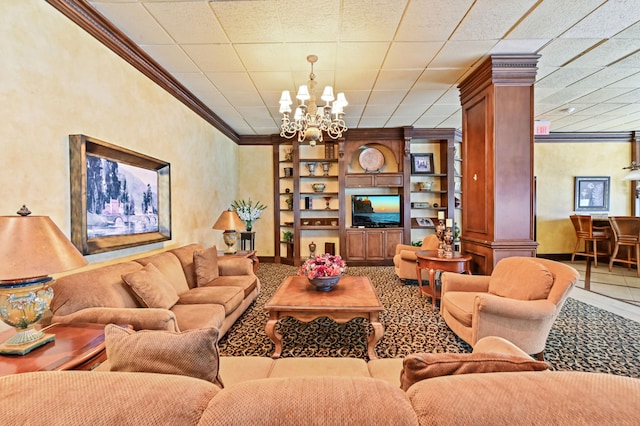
(323, 265)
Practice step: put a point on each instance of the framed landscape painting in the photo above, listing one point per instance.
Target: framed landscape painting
(591, 193)
(119, 198)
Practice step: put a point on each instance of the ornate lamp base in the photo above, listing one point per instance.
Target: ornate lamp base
(230, 238)
(22, 304)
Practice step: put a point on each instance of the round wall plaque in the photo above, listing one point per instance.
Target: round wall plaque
(371, 160)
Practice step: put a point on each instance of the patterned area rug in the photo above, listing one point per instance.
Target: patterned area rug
(583, 338)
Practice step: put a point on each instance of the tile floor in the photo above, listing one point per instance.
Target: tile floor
(617, 291)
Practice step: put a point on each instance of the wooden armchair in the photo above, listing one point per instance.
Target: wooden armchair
(518, 302)
(404, 260)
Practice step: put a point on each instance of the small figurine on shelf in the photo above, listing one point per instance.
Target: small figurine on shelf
(440, 233)
(312, 250)
(448, 242)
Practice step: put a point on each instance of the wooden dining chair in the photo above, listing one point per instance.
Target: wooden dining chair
(626, 233)
(589, 234)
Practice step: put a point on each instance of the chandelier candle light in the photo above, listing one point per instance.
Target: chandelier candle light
(309, 121)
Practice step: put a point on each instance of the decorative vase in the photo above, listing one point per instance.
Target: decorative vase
(248, 225)
(325, 283)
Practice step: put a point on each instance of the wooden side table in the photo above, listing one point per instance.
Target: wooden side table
(247, 240)
(76, 347)
(429, 259)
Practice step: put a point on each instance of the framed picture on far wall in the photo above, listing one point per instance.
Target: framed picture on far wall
(422, 164)
(591, 193)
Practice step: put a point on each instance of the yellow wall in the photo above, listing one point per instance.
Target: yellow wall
(56, 80)
(556, 165)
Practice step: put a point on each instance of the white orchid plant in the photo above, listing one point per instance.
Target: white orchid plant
(248, 211)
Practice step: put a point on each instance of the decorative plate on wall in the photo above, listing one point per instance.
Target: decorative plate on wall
(371, 160)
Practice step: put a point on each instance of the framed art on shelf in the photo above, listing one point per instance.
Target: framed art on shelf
(422, 164)
(591, 193)
(119, 198)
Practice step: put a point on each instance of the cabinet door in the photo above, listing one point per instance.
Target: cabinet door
(375, 245)
(394, 237)
(355, 245)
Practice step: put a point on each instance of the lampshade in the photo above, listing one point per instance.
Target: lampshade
(33, 246)
(228, 220)
(632, 175)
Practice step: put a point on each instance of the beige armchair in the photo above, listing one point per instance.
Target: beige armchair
(404, 261)
(519, 301)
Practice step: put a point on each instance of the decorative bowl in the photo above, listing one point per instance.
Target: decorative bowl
(318, 187)
(325, 283)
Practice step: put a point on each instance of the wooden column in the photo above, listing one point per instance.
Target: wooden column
(497, 151)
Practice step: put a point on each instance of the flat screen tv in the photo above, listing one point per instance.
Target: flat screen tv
(375, 211)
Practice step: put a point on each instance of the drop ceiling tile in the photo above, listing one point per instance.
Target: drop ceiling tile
(372, 122)
(605, 77)
(422, 97)
(214, 57)
(305, 22)
(606, 53)
(370, 20)
(263, 57)
(551, 18)
(563, 77)
(597, 109)
(188, 21)
(256, 116)
(632, 61)
(248, 98)
(171, 57)
(249, 21)
(433, 121)
(601, 95)
(442, 109)
(135, 21)
(431, 21)
(386, 97)
(563, 96)
(273, 82)
(347, 80)
(631, 32)
(360, 55)
(490, 19)
(442, 79)
(563, 50)
(451, 97)
(380, 110)
(462, 54)
(230, 81)
(298, 52)
(607, 20)
(397, 79)
(454, 121)
(410, 55)
(410, 112)
(519, 46)
(632, 96)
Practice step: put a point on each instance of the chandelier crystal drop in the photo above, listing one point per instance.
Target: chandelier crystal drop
(310, 121)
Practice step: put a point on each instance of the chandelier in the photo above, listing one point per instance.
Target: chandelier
(309, 121)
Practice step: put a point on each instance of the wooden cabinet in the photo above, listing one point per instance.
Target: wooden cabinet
(372, 244)
(325, 217)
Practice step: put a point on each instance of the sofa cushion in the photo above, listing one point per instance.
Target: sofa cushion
(520, 278)
(460, 305)
(420, 366)
(227, 296)
(170, 266)
(191, 353)
(63, 398)
(311, 400)
(185, 256)
(206, 265)
(151, 287)
(531, 398)
(95, 288)
(307, 367)
(199, 315)
(247, 283)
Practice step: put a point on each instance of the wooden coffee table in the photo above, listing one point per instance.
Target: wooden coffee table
(76, 347)
(353, 297)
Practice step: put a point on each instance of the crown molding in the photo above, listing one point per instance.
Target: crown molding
(87, 18)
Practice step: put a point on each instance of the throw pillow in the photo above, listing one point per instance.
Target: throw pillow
(206, 263)
(420, 366)
(151, 287)
(520, 278)
(191, 353)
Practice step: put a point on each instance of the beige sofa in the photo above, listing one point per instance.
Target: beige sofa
(102, 296)
(323, 391)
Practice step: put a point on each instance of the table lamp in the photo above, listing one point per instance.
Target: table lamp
(31, 248)
(229, 221)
